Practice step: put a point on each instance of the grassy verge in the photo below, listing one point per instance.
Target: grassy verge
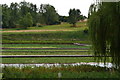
(43, 50)
(45, 42)
(42, 46)
(45, 53)
(47, 60)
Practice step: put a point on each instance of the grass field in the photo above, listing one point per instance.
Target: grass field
(46, 36)
(46, 53)
(63, 26)
(56, 34)
(59, 34)
(43, 46)
(51, 40)
(48, 40)
(63, 33)
(45, 42)
(45, 49)
(47, 60)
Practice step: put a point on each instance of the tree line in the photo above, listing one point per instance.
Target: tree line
(25, 14)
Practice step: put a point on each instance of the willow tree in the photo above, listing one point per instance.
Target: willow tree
(104, 25)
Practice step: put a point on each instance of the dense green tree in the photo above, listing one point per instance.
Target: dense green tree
(5, 16)
(49, 14)
(74, 15)
(29, 19)
(24, 8)
(104, 25)
(81, 17)
(63, 18)
(14, 15)
(40, 15)
(33, 11)
(26, 21)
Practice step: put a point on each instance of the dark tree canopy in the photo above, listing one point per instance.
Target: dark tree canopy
(49, 14)
(5, 16)
(104, 24)
(74, 15)
(13, 15)
(63, 18)
(26, 21)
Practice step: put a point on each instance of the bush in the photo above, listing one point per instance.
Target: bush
(57, 22)
(86, 31)
(40, 26)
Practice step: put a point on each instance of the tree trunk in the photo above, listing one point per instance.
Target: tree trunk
(74, 24)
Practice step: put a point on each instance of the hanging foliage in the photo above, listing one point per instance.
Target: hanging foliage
(104, 25)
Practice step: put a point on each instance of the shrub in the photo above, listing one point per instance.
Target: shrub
(86, 31)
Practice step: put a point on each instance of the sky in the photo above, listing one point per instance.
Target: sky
(62, 6)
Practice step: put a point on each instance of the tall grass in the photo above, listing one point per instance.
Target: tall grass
(83, 71)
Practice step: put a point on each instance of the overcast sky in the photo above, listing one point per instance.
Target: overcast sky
(61, 6)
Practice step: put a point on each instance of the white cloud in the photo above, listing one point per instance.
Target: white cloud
(62, 6)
